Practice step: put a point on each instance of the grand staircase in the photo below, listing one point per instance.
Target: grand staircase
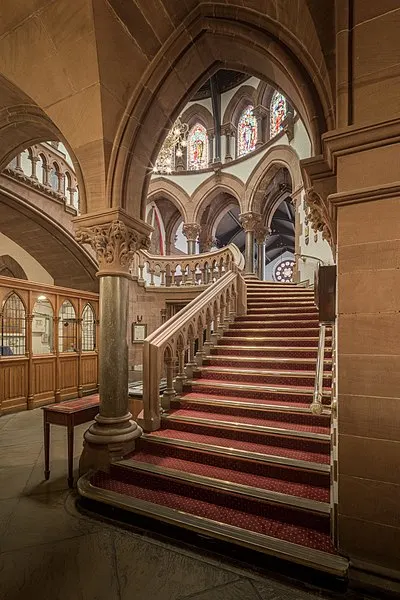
(239, 455)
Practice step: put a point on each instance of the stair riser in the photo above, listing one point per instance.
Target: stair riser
(259, 341)
(259, 379)
(298, 318)
(270, 352)
(265, 325)
(241, 414)
(253, 394)
(259, 364)
(269, 332)
(321, 448)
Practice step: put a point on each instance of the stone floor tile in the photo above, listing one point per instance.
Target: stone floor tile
(13, 480)
(77, 569)
(20, 456)
(4, 420)
(7, 507)
(45, 518)
(271, 590)
(236, 590)
(150, 570)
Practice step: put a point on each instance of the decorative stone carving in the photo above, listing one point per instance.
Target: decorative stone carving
(115, 245)
(250, 221)
(319, 217)
(260, 233)
(191, 231)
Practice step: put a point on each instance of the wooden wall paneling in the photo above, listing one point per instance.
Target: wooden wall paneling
(68, 375)
(89, 367)
(44, 369)
(81, 304)
(57, 391)
(29, 350)
(13, 384)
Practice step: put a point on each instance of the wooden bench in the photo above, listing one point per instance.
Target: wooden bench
(68, 414)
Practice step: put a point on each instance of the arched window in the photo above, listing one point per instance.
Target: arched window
(197, 148)
(67, 329)
(12, 326)
(88, 329)
(43, 171)
(278, 113)
(26, 162)
(42, 327)
(54, 176)
(247, 131)
(13, 163)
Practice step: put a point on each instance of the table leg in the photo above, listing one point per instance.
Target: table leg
(70, 455)
(46, 427)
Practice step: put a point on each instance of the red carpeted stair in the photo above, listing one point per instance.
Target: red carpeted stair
(239, 455)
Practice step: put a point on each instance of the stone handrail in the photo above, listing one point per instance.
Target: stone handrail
(195, 269)
(203, 321)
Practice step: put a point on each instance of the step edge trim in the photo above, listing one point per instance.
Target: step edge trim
(251, 405)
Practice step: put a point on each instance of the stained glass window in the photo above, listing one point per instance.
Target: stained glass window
(247, 131)
(278, 113)
(198, 148)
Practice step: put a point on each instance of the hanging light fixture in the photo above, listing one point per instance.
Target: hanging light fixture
(173, 147)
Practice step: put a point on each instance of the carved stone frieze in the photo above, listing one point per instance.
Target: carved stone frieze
(191, 231)
(250, 221)
(114, 244)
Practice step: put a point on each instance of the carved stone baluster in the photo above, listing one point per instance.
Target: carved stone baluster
(170, 392)
(115, 237)
(162, 273)
(208, 343)
(191, 364)
(181, 378)
(200, 354)
(151, 271)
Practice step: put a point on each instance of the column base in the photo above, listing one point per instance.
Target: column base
(189, 369)
(107, 440)
(200, 356)
(166, 398)
(180, 380)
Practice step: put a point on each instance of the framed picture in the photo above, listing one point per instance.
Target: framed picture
(39, 325)
(139, 333)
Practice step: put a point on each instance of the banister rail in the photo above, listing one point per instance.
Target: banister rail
(203, 321)
(316, 405)
(304, 257)
(181, 269)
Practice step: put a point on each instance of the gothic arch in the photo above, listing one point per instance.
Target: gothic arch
(244, 96)
(247, 40)
(198, 113)
(163, 187)
(9, 267)
(276, 158)
(209, 189)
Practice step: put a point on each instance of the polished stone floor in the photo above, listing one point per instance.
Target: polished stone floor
(50, 551)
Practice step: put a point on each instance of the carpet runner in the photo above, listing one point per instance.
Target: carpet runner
(239, 455)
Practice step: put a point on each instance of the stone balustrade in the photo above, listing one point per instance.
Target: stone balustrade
(197, 326)
(176, 270)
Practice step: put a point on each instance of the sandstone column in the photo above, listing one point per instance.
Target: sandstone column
(115, 237)
(191, 232)
(260, 235)
(249, 221)
(261, 114)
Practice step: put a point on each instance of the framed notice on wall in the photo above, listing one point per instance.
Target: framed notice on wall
(139, 332)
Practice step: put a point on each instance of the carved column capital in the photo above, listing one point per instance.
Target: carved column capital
(115, 237)
(260, 233)
(250, 221)
(260, 112)
(191, 231)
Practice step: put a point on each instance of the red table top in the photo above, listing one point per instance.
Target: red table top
(70, 406)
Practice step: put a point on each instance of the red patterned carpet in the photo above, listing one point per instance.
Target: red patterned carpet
(242, 434)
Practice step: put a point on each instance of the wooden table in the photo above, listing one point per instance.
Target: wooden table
(68, 414)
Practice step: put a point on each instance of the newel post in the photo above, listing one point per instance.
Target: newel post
(115, 237)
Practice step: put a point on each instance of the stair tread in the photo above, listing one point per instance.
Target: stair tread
(214, 441)
(256, 386)
(150, 455)
(266, 403)
(217, 369)
(249, 420)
